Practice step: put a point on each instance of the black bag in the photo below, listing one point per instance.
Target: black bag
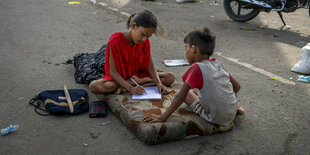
(89, 66)
(55, 102)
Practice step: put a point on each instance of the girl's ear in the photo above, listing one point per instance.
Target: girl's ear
(133, 25)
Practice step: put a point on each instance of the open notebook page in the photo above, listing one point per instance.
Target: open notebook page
(152, 93)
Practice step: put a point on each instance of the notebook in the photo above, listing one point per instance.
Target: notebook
(176, 62)
(152, 93)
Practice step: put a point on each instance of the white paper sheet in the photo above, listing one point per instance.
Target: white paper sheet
(177, 62)
(152, 93)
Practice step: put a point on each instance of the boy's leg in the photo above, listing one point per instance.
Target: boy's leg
(102, 86)
(191, 98)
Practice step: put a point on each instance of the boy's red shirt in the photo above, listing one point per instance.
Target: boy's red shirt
(128, 60)
(193, 76)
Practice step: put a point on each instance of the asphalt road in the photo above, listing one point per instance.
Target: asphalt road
(36, 36)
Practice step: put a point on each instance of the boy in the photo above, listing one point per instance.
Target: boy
(215, 101)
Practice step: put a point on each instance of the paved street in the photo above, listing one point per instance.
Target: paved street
(37, 36)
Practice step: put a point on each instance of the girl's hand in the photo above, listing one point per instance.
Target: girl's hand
(120, 90)
(163, 89)
(137, 90)
(152, 118)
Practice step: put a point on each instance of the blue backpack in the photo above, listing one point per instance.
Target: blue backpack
(55, 102)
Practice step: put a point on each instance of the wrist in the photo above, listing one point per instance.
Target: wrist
(162, 118)
(130, 88)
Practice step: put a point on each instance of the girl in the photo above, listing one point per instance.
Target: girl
(128, 59)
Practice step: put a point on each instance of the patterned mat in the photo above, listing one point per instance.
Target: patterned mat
(181, 124)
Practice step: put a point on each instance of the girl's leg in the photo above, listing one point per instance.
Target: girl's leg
(102, 86)
(141, 81)
(166, 79)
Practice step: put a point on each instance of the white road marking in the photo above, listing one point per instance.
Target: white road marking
(124, 13)
(113, 9)
(249, 66)
(102, 4)
(259, 70)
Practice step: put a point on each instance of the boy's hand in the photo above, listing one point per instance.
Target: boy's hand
(137, 90)
(152, 118)
(163, 89)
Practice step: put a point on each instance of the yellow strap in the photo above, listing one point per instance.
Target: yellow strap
(61, 103)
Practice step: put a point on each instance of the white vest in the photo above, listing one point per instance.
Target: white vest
(217, 95)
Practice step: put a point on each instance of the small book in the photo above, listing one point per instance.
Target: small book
(176, 62)
(152, 93)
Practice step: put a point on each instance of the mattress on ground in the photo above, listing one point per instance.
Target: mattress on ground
(181, 124)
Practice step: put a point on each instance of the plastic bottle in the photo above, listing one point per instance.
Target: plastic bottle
(9, 129)
(303, 78)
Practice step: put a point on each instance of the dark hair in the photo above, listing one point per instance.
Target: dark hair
(145, 19)
(203, 39)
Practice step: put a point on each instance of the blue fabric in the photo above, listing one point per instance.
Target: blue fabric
(58, 96)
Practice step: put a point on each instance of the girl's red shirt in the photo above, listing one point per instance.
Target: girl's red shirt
(128, 60)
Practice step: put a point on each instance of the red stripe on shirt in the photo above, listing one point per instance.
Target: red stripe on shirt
(193, 77)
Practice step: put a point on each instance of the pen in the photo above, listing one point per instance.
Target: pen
(134, 82)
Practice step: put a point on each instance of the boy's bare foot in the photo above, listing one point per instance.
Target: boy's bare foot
(240, 111)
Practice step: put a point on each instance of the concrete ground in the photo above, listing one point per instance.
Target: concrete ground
(36, 36)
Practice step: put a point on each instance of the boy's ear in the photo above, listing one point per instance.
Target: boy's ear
(195, 49)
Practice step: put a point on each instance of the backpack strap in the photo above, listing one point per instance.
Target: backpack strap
(38, 104)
